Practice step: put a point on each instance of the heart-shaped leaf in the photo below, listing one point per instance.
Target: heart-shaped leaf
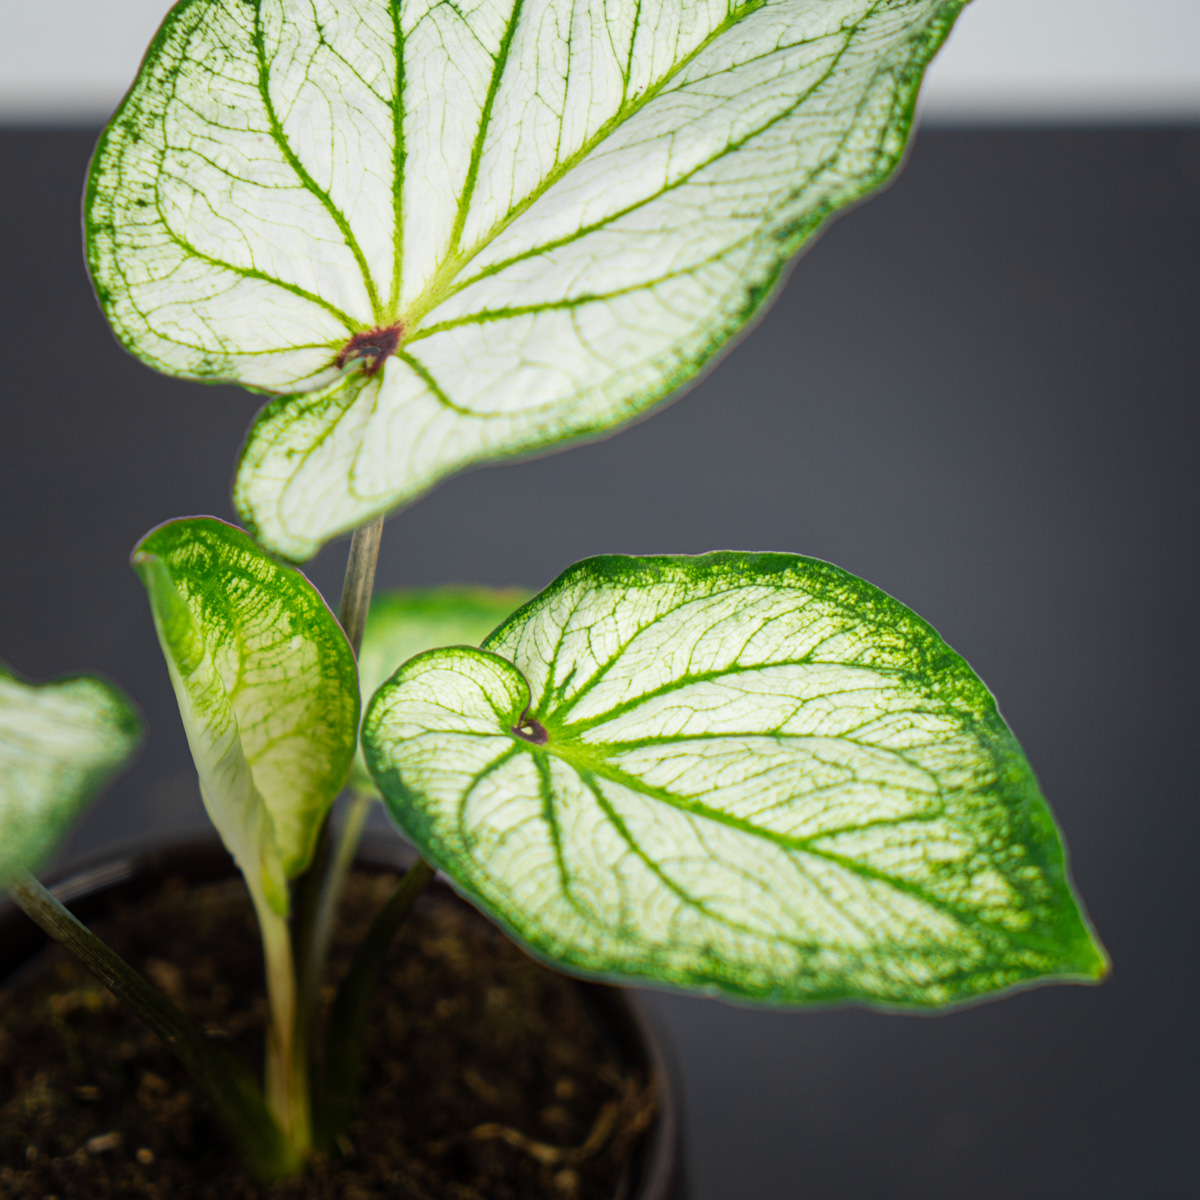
(746, 772)
(60, 743)
(403, 624)
(268, 690)
(457, 232)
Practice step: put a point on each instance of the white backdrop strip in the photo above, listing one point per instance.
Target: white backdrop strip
(69, 61)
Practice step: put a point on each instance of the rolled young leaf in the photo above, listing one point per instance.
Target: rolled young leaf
(751, 773)
(60, 743)
(453, 233)
(403, 624)
(267, 687)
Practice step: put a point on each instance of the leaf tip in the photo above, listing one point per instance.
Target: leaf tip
(1092, 961)
(1081, 956)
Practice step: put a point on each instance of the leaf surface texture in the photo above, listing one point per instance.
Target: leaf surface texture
(750, 773)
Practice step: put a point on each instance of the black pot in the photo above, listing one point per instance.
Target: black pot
(88, 889)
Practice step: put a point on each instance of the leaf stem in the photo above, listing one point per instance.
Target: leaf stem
(226, 1081)
(342, 1063)
(318, 891)
(339, 860)
(314, 898)
(286, 1074)
(359, 580)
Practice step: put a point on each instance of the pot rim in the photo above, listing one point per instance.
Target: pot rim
(88, 884)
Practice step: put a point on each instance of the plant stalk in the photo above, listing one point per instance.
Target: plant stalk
(342, 1063)
(319, 890)
(312, 896)
(223, 1077)
(359, 581)
(341, 858)
(286, 1073)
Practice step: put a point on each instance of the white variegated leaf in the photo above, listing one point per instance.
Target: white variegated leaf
(267, 687)
(60, 743)
(750, 773)
(448, 233)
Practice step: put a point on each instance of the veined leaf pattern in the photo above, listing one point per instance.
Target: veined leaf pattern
(750, 773)
(267, 688)
(454, 232)
(60, 743)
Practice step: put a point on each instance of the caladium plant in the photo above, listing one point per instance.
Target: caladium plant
(437, 235)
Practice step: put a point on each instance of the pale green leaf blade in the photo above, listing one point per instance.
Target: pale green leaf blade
(750, 773)
(454, 233)
(60, 743)
(267, 687)
(402, 624)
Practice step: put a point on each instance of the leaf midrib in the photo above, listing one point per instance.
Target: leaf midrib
(964, 917)
(435, 290)
(677, 889)
(399, 156)
(458, 285)
(285, 148)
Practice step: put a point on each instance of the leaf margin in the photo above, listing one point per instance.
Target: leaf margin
(406, 603)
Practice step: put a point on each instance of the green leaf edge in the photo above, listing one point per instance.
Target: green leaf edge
(91, 226)
(1084, 959)
(128, 723)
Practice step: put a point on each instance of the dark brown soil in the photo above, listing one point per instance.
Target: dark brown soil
(488, 1076)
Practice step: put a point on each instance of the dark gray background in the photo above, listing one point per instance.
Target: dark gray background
(979, 391)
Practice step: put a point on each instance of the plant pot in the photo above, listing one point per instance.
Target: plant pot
(91, 890)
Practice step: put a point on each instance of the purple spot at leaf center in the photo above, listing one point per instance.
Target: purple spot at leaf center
(372, 346)
(531, 731)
